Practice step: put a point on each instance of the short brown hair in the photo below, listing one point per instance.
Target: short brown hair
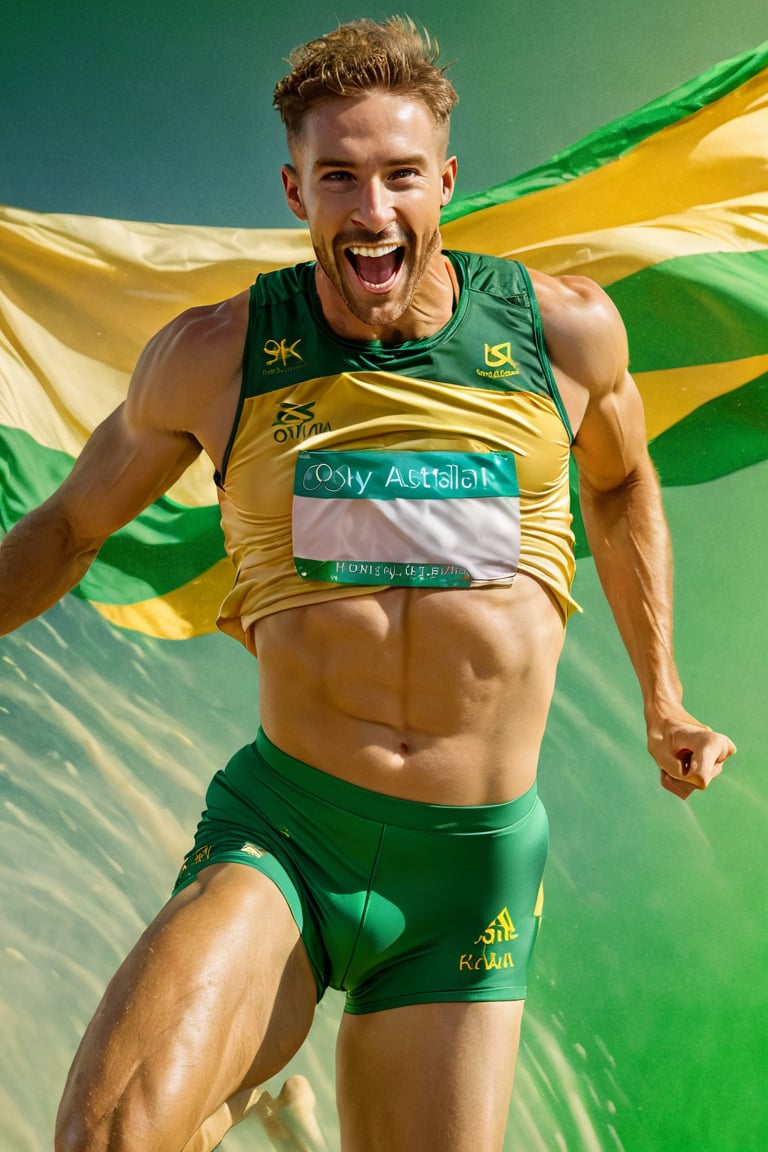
(359, 56)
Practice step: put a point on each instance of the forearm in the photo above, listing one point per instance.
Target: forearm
(626, 528)
(39, 563)
(629, 539)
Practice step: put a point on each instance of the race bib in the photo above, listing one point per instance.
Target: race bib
(429, 519)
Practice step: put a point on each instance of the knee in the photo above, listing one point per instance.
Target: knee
(77, 1132)
(72, 1135)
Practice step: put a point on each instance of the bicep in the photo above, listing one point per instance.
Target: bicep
(611, 444)
(587, 345)
(121, 470)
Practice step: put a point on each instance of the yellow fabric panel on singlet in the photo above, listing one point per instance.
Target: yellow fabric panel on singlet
(480, 390)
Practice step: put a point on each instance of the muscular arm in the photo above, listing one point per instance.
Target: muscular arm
(121, 470)
(134, 456)
(625, 525)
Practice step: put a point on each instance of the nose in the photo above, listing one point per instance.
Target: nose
(374, 207)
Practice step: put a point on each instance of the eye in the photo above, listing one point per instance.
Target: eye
(403, 174)
(336, 177)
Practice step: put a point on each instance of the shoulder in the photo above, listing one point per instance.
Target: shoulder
(188, 362)
(587, 344)
(205, 337)
(572, 299)
(583, 331)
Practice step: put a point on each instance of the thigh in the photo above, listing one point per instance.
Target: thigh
(216, 996)
(427, 1076)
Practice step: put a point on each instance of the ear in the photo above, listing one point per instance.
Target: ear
(290, 178)
(448, 181)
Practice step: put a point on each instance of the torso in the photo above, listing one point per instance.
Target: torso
(436, 695)
(432, 695)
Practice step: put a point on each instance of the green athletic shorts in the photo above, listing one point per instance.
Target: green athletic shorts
(397, 902)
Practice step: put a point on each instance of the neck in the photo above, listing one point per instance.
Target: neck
(431, 307)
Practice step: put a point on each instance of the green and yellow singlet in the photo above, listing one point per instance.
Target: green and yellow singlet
(352, 467)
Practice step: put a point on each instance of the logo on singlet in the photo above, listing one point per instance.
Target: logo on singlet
(251, 850)
(490, 944)
(498, 358)
(281, 350)
(297, 422)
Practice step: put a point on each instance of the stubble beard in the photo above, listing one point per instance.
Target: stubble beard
(382, 310)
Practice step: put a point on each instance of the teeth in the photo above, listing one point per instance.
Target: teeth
(382, 250)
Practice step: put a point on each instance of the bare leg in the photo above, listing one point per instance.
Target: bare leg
(215, 998)
(427, 1076)
(288, 1119)
(210, 1134)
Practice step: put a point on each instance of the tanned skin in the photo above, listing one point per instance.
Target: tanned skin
(353, 686)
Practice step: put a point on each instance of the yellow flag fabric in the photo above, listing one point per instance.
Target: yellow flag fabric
(667, 209)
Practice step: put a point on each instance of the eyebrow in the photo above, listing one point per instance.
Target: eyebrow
(416, 161)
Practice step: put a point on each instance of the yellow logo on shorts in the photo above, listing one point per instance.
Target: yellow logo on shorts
(500, 931)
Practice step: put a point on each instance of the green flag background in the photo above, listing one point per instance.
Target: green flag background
(647, 1013)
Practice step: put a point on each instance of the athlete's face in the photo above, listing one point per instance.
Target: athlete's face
(369, 176)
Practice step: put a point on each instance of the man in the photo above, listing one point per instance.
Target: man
(390, 428)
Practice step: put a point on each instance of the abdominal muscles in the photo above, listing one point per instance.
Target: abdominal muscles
(432, 695)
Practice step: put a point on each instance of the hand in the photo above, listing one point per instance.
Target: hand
(689, 754)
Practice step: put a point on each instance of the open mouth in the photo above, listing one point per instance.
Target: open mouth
(376, 267)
